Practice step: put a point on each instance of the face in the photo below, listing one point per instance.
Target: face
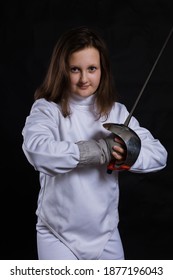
(85, 71)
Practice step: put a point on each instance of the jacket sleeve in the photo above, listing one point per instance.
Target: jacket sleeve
(153, 155)
(42, 144)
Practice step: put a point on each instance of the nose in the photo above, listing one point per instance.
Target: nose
(83, 77)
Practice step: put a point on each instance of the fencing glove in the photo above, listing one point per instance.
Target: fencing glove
(96, 151)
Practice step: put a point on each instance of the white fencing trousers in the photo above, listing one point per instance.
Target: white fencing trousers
(49, 247)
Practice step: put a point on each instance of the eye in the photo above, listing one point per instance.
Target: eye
(92, 68)
(74, 69)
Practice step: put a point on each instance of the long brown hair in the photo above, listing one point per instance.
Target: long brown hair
(56, 83)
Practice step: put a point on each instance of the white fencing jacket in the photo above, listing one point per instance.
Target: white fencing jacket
(80, 205)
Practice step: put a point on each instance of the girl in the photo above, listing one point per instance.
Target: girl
(65, 140)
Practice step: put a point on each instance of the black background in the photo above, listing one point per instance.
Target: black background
(135, 32)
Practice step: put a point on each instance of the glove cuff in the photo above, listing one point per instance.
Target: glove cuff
(93, 152)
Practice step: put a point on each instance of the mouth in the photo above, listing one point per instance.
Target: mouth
(83, 87)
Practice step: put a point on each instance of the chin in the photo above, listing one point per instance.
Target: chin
(84, 94)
